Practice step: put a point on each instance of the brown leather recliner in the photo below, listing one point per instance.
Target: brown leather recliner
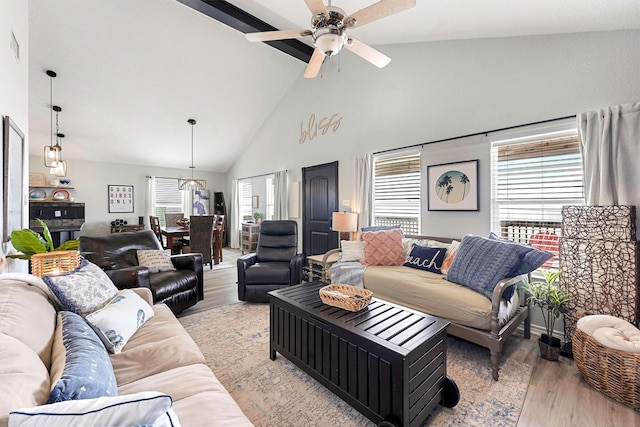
(116, 255)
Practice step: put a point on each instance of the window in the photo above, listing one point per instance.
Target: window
(168, 198)
(271, 196)
(396, 190)
(532, 178)
(245, 192)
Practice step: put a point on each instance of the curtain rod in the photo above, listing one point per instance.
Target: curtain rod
(258, 176)
(162, 177)
(474, 134)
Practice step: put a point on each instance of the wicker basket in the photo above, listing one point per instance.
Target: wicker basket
(349, 297)
(56, 262)
(615, 373)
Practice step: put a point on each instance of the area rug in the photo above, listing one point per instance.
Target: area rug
(235, 342)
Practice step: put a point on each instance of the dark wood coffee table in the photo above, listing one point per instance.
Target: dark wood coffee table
(387, 361)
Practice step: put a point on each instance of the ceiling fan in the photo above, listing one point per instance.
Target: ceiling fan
(329, 31)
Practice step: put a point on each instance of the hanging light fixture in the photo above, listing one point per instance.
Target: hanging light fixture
(58, 166)
(192, 184)
(51, 153)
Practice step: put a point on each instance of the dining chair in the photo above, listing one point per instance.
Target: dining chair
(154, 222)
(201, 237)
(218, 238)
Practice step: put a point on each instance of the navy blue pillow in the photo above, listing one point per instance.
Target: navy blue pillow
(87, 372)
(426, 258)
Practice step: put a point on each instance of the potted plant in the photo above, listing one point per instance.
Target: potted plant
(552, 302)
(29, 242)
(257, 216)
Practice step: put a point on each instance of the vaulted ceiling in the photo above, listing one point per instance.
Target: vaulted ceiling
(131, 72)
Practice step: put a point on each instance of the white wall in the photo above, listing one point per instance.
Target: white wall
(14, 75)
(439, 90)
(90, 181)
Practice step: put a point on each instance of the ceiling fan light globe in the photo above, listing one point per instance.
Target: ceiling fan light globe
(330, 42)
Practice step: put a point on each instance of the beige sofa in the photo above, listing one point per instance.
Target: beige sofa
(161, 356)
(473, 316)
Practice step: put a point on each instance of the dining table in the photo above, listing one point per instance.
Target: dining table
(174, 233)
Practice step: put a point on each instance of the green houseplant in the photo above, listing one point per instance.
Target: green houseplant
(257, 216)
(29, 242)
(552, 302)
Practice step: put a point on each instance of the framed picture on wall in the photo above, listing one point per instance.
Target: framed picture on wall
(120, 198)
(453, 186)
(13, 168)
(201, 202)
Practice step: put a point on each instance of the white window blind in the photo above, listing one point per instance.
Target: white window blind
(168, 198)
(246, 191)
(396, 191)
(531, 179)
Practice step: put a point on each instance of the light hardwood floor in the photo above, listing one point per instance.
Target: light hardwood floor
(557, 395)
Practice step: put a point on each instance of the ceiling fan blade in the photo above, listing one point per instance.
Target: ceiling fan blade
(277, 35)
(368, 53)
(376, 11)
(316, 7)
(314, 65)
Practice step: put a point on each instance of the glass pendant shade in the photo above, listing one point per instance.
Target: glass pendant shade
(192, 184)
(51, 155)
(60, 169)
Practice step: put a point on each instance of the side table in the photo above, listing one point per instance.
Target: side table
(318, 266)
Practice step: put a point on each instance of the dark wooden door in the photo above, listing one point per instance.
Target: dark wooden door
(320, 200)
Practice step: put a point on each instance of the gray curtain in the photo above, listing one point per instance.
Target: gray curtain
(281, 194)
(363, 169)
(610, 146)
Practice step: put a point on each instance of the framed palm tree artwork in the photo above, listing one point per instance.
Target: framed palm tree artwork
(453, 186)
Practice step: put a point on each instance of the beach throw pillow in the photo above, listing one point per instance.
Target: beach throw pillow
(383, 247)
(426, 258)
(155, 260)
(80, 368)
(117, 321)
(83, 290)
(352, 250)
(150, 408)
(480, 263)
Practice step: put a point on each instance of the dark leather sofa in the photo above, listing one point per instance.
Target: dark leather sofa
(276, 263)
(116, 255)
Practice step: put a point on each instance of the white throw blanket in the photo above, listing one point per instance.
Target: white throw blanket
(611, 332)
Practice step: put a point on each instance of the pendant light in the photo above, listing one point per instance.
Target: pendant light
(191, 184)
(59, 166)
(51, 152)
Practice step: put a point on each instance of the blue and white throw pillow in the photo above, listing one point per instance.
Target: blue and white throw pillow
(426, 258)
(480, 263)
(80, 368)
(116, 322)
(531, 258)
(83, 290)
(144, 408)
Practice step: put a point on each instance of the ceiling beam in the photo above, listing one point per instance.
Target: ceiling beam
(240, 20)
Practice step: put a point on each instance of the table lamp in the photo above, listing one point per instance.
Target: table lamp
(345, 223)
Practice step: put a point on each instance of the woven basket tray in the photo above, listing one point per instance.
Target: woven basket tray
(612, 372)
(349, 297)
(56, 262)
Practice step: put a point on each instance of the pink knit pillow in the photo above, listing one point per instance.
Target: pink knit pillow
(383, 247)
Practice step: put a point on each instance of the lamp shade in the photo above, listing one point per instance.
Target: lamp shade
(345, 221)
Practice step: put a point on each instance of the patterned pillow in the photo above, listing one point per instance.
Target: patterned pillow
(426, 258)
(383, 247)
(144, 408)
(448, 259)
(155, 260)
(80, 367)
(531, 257)
(84, 290)
(116, 322)
(480, 263)
(352, 250)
